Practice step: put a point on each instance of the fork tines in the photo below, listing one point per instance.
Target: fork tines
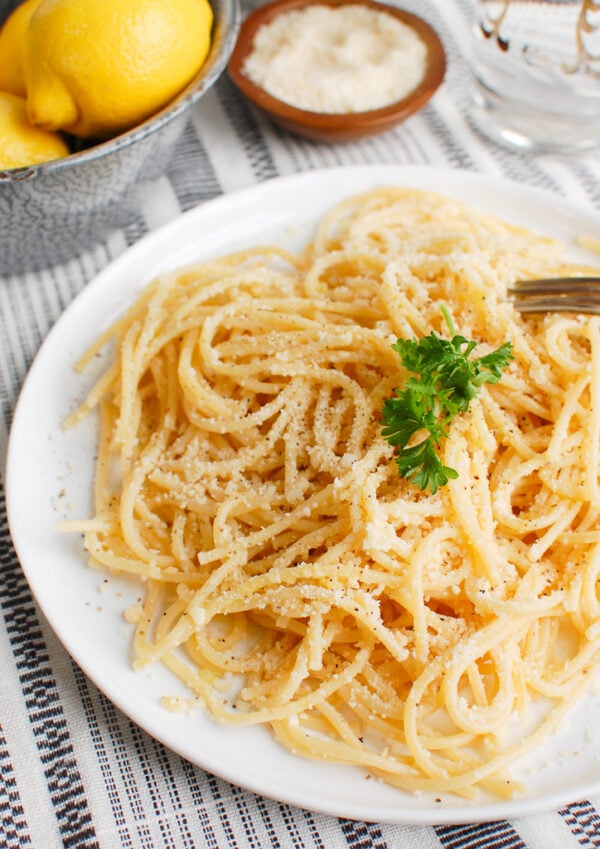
(557, 294)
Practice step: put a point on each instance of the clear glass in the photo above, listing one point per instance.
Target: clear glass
(536, 68)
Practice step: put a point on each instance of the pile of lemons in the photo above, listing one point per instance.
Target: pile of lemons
(92, 69)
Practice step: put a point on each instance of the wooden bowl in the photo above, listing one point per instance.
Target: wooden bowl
(339, 127)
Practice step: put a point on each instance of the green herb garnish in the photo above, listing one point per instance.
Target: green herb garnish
(448, 378)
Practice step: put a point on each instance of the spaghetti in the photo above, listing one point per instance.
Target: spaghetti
(292, 577)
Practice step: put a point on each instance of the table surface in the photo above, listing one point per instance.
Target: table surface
(74, 771)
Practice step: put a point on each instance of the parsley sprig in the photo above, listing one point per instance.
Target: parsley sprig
(447, 379)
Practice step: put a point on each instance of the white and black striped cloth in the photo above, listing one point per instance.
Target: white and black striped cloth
(75, 772)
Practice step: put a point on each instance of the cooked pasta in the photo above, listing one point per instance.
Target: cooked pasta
(291, 576)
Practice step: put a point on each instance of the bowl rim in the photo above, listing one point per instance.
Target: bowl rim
(338, 121)
(225, 32)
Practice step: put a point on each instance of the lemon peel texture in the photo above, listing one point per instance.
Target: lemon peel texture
(12, 45)
(95, 68)
(20, 143)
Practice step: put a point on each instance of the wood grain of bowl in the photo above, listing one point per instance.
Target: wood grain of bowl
(336, 127)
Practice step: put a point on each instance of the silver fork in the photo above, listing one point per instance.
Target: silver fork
(557, 294)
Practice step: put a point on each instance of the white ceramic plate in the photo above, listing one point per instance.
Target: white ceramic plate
(49, 477)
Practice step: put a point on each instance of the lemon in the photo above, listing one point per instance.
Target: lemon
(12, 38)
(20, 143)
(97, 67)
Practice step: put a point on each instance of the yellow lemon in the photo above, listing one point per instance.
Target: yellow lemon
(97, 67)
(12, 42)
(20, 143)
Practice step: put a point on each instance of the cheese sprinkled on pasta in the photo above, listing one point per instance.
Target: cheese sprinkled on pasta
(291, 577)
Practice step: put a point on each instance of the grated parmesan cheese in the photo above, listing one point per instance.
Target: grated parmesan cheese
(337, 59)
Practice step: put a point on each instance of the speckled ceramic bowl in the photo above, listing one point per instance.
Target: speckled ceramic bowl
(55, 210)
